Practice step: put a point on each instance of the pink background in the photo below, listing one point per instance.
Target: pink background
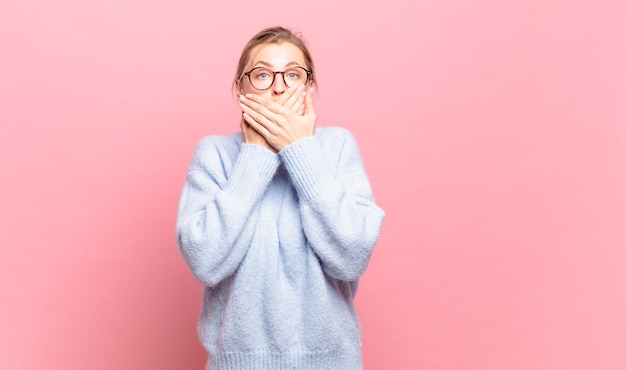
(494, 134)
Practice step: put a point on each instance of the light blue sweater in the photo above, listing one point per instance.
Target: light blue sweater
(279, 241)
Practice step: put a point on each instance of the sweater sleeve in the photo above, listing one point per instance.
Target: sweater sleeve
(215, 207)
(339, 217)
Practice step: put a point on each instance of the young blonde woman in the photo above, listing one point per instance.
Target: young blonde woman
(278, 222)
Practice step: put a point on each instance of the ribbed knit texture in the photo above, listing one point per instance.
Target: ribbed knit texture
(279, 241)
(288, 360)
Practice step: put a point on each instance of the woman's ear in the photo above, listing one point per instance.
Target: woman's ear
(238, 87)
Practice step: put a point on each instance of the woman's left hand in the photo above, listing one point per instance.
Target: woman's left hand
(278, 124)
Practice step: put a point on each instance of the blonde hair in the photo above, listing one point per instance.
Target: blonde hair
(273, 35)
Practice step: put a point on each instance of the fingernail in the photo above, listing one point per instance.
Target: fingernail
(242, 106)
(248, 96)
(242, 98)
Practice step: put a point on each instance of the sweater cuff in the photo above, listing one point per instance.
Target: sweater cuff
(253, 171)
(307, 167)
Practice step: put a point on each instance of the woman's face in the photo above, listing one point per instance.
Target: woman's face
(276, 57)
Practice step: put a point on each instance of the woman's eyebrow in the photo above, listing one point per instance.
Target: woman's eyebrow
(270, 65)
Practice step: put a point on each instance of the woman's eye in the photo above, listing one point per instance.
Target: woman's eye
(262, 75)
(293, 75)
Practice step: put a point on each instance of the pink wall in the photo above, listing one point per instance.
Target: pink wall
(494, 133)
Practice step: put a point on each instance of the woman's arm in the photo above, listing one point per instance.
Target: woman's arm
(339, 216)
(215, 207)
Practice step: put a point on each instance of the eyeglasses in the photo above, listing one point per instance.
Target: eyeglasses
(262, 78)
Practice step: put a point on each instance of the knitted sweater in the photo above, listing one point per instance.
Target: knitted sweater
(279, 242)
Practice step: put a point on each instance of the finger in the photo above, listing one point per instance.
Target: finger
(296, 99)
(255, 103)
(251, 101)
(299, 106)
(287, 95)
(246, 128)
(256, 126)
(308, 102)
(257, 120)
(264, 106)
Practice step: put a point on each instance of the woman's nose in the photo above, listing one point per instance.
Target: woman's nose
(279, 85)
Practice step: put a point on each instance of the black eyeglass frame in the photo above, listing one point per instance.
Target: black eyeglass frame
(274, 73)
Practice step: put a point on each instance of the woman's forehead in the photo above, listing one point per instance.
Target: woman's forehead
(277, 55)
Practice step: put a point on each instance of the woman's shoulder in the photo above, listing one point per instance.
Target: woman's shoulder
(336, 137)
(334, 133)
(217, 147)
(221, 141)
